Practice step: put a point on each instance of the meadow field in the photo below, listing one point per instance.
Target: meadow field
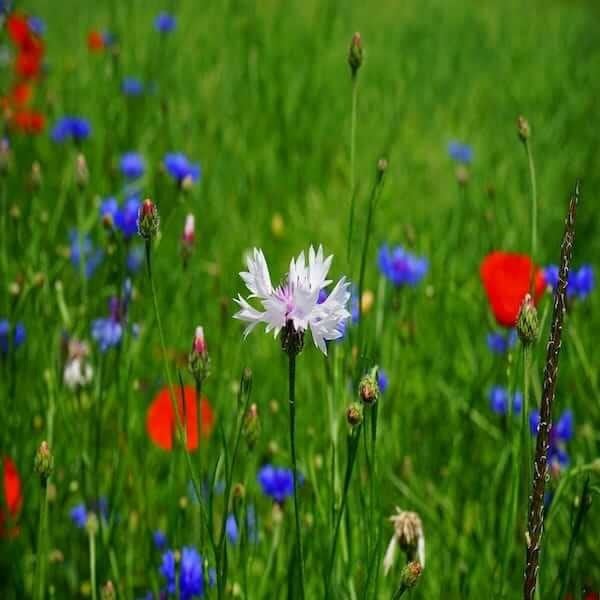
(175, 175)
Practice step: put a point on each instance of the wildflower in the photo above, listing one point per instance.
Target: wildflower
(92, 257)
(561, 432)
(231, 529)
(500, 343)
(251, 426)
(123, 217)
(30, 48)
(408, 536)
(523, 129)
(355, 54)
(132, 165)
(11, 338)
(165, 22)
(198, 359)
(78, 372)
(132, 86)
(189, 579)
(76, 128)
(11, 498)
(95, 41)
(135, 258)
(180, 168)
(44, 463)
(293, 306)
(28, 121)
(410, 575)
(79, 515)
(460, 152)
(148, 220)
(506, 278)
(161, 422)
(276, 482)
(580, 282)
(82, 174)
(401, 267)
(354, 414)
(159, 539)
(527, 323)
(368, 389)
(107, 592)
(382, 380)
(108, 331)
(500, 400)
(36, 25)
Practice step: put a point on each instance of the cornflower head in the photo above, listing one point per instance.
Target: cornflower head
(580, 282)
(401, 267)
(124, 217)
(188, 580)
(11, 337)
(460, 152)
(148, 220)
(108, 331)
(79, 515)
(501, 343)
(561, 432)
(276, 482)
(165, 22)
(188, 239)
(382, 380)
(37, 25)
(294, 305)
(408, 536)
(231, 529)
(132, 86)
(159, 539)
(75, 128)
(77, 372)
(82, 249)
(500, 400)
(181, 169)
(132, 165)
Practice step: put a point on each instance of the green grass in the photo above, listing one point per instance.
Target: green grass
(260, 94)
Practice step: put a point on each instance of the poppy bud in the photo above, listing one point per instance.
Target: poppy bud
(368, 389)
(44, 462)
(528, 326)
(198, 359)
(523, 128)
(410, 574)
(148, 221)
(354, 414)
(355, 54)
(251, 426)
(82, 174)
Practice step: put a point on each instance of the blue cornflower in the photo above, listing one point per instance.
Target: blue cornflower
(92, 257)
(132, 165)
(18, 336)
(580, 283)
(231, 529)
(135, 258)
(500, 343)
(159, 539)
(382, 380)
(561, 432)
(123, 217)
(108, 38)
(500, 398)
(132, 86)
(108, 331)
(460, 152)
(165, 22)
(76, 128)
(276, 482)
(191, 573)
(179, 167)
(400, 266)
(37, 25)
(79, 515)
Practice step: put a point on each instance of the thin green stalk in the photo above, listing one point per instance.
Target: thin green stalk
(3, 237)
(352, 167)
(92, 539)
(292, 403)
(41, 544)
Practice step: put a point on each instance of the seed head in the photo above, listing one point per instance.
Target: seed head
(355, 54)
(368, 389)
(354, 414)
(528, 326)
(410, 575)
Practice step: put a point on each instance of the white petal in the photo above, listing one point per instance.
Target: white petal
(390, 555)
(257, 278)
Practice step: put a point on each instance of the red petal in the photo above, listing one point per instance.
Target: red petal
(506, 277)
(95, 41)
(18, 28)
(13, 499)
(161, 423)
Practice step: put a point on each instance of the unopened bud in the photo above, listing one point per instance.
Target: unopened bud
(355, 54)
(246, 384)
(198, 359)
(82, 175)
(251, 426)
(44, 462)
(36, 175)
(462, 175)
(148, 221)
(523, 128)
(382, 165)
(354, 414)
(108, 591)
(410, 574)
(368, 389)
(91, 524)
(528, 326)
(189, 231)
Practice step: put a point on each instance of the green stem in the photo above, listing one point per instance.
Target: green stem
(352, 167)
(92, 539)
(292, 403)
(534, 218)
(41, 544)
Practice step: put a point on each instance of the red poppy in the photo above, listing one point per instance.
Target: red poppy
(20, 94)
(29, 63)
(13, 500)
(18, 28)
(29, 121)
(161, 423)
(506, 277)
(95, 41)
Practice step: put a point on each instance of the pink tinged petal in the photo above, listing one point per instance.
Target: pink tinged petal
(257, 278)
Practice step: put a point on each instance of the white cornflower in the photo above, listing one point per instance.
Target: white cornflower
(78, 372)
(408, 536)
(295, 302)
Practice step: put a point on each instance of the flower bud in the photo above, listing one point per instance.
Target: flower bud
(82, 175)
(382, 165)
(523, 128)
(354, 414)
(36, 175)
(92, 524)
(148, 221)
(251, 426)
(462, 175)
(44, 462)
(368, 389)
(355, 54)
(198, 359)
(410, 574)
(108, 591)
(528, 326)
(189, 230)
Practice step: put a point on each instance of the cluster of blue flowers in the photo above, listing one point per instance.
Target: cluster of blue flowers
(108, 331)
(580, 283)
(500, 342)
(179, 166)
(401, 267)
(460, 152)
(561, 432)
(82, 249)
(500, 400)
(123, 217)
(10, 337)
(75, 128)
(276, 482)
(188, 580)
